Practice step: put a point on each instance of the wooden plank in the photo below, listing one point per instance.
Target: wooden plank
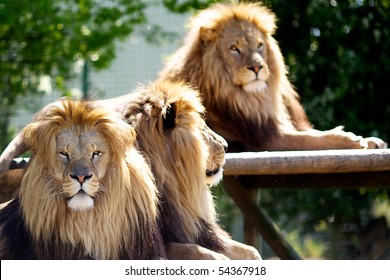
(303, 162)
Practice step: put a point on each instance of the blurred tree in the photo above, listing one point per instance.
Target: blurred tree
(41, 40)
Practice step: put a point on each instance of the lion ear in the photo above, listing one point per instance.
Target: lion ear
(207, 34)
(169, 117)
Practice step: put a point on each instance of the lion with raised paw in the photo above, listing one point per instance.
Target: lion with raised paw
(231, 56)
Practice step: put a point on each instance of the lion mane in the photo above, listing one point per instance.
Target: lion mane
(230, 55)
(113, 212)
(171, 132)
(168, 121)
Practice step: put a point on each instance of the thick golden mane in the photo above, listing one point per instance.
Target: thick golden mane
(123, 220)
(220, 14)
(237, 115)
(168, 118)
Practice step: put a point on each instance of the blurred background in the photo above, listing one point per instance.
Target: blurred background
(337, 54)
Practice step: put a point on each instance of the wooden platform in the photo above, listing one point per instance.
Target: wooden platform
(247, 172)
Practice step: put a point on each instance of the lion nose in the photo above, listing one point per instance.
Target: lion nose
(81, 178)
(255, 69)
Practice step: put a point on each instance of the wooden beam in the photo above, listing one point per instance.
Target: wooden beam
(304, 162)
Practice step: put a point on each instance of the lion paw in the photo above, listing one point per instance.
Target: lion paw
(250, 254)
(345, 140)
(375, 143)
(239, 251)
(179, 251)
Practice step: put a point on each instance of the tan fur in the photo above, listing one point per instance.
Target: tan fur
(231, 56)
(122, 219)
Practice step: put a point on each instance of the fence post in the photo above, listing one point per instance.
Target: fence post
(258, 218)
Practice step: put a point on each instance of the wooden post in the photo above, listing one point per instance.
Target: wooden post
(251, 235)
(258, 218)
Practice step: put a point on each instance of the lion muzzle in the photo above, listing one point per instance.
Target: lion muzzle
(80, 172)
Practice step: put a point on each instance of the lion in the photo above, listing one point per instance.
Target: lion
(86, 194)
(168, 117)
(172, 134)
(230, 55)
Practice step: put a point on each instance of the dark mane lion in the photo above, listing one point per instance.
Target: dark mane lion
(231, 56)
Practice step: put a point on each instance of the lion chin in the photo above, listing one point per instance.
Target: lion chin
(256, 87)
(80, 202)
(213, 177)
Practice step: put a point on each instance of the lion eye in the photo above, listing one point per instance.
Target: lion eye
(234, 49)
(64, 155)
(96, 154)
(260, 47)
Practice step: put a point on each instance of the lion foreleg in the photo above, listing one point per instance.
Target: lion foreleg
(179, 251)
(14, 149)
(313, 139)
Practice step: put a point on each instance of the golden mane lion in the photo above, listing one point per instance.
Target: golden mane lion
(171, 132)
(231, 56)
(87, 193)
(186, 157)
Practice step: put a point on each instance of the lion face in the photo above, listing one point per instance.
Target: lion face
(244, 51)
(74, 143)
(88, 193)
(81, 163)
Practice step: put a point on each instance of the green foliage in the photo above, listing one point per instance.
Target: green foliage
(178, 6)
(44, 38)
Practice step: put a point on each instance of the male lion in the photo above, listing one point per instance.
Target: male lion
(172, 134)
(186, 157)
(231, 56)
(87, 193)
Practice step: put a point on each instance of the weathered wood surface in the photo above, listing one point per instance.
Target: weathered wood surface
(307, 162)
